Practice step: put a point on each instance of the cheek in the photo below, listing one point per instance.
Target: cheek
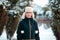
(29, 15)
(26, 15)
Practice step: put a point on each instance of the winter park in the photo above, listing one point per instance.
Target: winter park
(46, 14)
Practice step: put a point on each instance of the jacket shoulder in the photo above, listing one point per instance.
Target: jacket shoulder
(21, 22)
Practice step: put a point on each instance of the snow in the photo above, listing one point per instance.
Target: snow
(23, 3)
(3, 36)
(2, 0)
(42, 3)
(44, 34)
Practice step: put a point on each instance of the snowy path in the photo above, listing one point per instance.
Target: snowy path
(45, 34)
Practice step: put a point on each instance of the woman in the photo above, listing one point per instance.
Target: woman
(28, 29)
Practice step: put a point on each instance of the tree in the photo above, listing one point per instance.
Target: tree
(45, 9)
(3, 18)
(54, 5)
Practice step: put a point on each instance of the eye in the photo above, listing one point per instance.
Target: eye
(28, 12)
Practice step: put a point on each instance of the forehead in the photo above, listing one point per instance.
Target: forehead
(28, 12)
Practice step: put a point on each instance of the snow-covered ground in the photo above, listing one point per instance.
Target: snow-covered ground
(4, 36)
(45, 34)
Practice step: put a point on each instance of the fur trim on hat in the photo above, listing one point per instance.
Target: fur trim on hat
(23, 16)
(28, 9)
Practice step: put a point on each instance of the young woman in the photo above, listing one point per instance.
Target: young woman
(28, 29)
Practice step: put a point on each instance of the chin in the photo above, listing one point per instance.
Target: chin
(29, 17)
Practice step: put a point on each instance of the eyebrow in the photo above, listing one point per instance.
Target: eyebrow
(28, 12)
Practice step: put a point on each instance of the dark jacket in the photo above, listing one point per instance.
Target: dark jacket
(24, 25)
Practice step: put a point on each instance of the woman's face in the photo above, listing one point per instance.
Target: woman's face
(28, 14)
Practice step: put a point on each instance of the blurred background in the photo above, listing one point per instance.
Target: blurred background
(47, 15)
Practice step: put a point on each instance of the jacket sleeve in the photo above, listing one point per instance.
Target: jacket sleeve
(37, 35)
(19, 36)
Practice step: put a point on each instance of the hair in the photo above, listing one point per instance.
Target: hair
(24, 15)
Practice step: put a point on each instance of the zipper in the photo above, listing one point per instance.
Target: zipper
(30, 28)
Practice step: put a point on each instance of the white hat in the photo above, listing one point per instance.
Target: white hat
(28, 9)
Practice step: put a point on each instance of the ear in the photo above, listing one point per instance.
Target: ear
(23, 15)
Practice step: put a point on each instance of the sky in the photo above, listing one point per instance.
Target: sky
(41, 3)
